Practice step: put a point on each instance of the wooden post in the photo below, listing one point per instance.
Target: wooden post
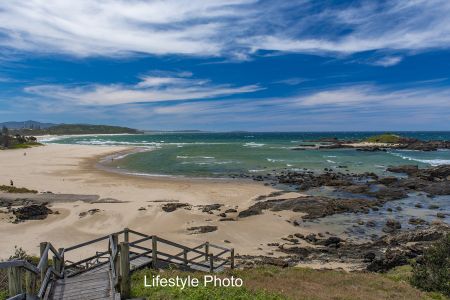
(62, 262)
(42, 247)
(125, 283)
(30, 284)
(185, 257)
(14, 281)
(126, 235)
(155, 252)
(206, 251)
(56, 263)
(116, 262)
(232, 258)
(211, 263)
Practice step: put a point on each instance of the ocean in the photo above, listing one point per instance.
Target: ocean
(218, 155)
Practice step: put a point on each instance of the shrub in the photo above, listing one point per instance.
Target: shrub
(432, 272)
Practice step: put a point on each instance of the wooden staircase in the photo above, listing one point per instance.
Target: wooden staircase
(106, 274)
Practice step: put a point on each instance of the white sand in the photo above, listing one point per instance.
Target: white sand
(69, 169)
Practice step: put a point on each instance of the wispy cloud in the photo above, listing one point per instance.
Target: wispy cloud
(151, 88)
(231, 28)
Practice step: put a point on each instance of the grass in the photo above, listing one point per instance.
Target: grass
(25, 145)
(384, 138)
(17, 190)
(291, 283)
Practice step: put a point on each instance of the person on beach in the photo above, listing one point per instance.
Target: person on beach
(11, 182)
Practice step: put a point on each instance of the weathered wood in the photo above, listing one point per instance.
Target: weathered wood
(185, 257)
(211, 263)
(126, 235)
(30, 283)
(62, 262)
(125, 283)
(43, 259)
(115, 259)
(155, 252)
(15, 281)
(232, 258)
(206, 251)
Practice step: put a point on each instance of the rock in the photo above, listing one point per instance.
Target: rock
(299, 235)
(332, 240)
(418, 205)
(275, 262)
(31, 212)
(417, 221)
(89, 212)
(406, 169)
(369, 257)
(202, 229)
(230, 210)
(388, 180)
(390, 260)
(170, 207)
(440, 215)
(433, 206)
(142, 208)
(223, 215)
(391, 226)
(371, 223)
(227, 219)
(211, 207)
(311, 238)
(226, 241)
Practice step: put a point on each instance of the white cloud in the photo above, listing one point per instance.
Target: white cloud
(149, 89)
(232, 28)
(395, 25)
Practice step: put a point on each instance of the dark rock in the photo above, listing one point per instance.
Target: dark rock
(391, 226)
(417, 221)
(230, 210)
(31, 212)
(170, 207)
(388, 180)
(211, 207)
(202, 229)
(89, 212)
(406, 169)
(332, 240)
(440, 215)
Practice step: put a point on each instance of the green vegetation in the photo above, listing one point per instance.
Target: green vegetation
(385, 138)
(78, 129)
(16, 141)
(13, 189)
(432, 272)
(287, 283)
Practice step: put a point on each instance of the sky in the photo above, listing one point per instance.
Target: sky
(225, 65)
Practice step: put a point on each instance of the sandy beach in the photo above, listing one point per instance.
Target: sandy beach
(71, 169)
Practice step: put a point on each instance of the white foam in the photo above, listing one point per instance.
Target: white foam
(253, 145)
(330, 161)
(274, 160)
(432, 162)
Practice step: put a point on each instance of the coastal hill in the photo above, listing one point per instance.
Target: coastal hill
(34, 128)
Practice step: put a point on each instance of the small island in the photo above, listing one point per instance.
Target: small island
(381, 142)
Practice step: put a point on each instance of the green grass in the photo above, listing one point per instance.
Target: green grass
(384, 138)
(193, 293)
(290, 283)
(17, 190)
(25, 145)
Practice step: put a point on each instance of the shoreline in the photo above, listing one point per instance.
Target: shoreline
(70, 169)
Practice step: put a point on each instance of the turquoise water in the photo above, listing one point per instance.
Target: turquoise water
(226, 154)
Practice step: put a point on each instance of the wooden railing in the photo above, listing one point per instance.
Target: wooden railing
(121, 257)
(42, 273)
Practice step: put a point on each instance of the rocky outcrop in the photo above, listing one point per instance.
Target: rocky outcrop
(31, 212)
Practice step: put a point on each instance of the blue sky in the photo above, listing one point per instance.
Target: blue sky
(228, 65)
